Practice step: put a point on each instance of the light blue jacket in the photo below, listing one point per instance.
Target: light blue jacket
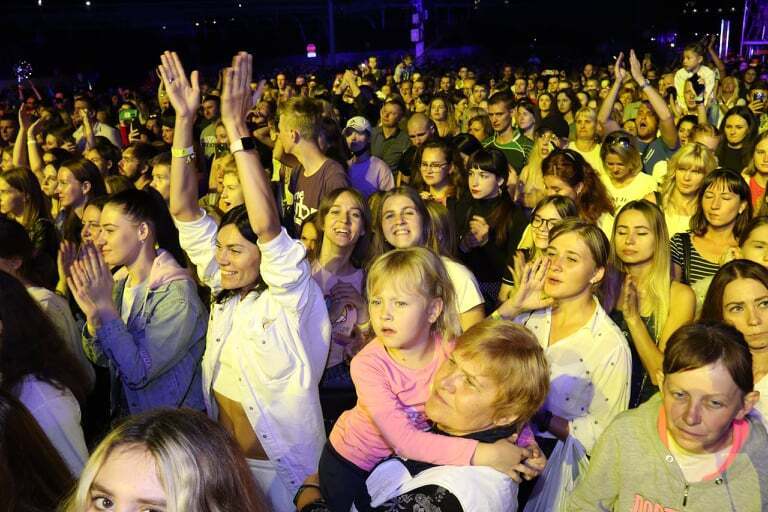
(155, 359)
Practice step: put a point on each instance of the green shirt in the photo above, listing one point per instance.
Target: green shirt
(516, 150)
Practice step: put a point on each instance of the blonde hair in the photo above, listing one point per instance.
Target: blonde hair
(419, 269)
(629, 156)
(697, 156)
(512, 356)
(200, 466)
(657, 283)
(302, 114)
(532, 176)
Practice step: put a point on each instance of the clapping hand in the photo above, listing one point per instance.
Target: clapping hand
(236, 94)
(619, 73)
(183, 92)
(91, 283)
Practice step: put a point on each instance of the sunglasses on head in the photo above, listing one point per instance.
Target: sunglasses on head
(622, 139)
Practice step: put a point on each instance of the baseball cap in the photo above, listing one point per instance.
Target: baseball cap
(358, 124)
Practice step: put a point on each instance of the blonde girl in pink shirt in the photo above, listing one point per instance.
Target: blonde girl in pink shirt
(412, 312)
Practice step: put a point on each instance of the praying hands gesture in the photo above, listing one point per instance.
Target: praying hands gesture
(183, 92)
(91, 283)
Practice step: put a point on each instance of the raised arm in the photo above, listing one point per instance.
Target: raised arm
(666, 120)
(604, 120)
(184, 95)
(236, 101)
(20, 158)
(36, 162)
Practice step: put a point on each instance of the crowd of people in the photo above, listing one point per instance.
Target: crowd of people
(404, 289)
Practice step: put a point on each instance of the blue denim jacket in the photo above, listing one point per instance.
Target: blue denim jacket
(155, 359)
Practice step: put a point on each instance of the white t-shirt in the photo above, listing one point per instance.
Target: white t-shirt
(642, 185)
(58, 414)
(465, 285)
(132, 295)
(57, 310)
(592, 157)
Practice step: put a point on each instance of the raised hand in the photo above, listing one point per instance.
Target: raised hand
(236, 93)
(619, 73)
(183, 92)
(528, 294)
(25, 119)
(635, 68)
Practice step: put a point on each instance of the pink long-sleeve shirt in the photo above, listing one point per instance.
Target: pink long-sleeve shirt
(389, 415)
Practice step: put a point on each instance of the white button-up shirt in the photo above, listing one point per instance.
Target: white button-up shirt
(590, 373)
(281, 339)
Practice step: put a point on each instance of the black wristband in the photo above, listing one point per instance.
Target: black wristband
(301, 489)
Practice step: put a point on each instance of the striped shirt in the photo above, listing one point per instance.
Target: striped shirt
(700, 267)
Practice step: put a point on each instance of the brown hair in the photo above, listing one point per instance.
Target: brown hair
(360, 253)
(712, 309)
(734, 183)
(568, 165)
(303, 115)
(706, 343)
(512, 356)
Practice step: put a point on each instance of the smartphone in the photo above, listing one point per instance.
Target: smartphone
(128, 115)
(759, 96)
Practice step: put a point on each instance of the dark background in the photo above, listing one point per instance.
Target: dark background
(112, 41)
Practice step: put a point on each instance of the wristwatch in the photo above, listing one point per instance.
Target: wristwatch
(244, 144)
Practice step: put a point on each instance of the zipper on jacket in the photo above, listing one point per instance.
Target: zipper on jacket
(685, 495)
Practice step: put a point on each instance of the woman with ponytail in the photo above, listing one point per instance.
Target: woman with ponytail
(148, 324)
(566, 173)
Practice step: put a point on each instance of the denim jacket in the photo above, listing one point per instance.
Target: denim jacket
(154, 359)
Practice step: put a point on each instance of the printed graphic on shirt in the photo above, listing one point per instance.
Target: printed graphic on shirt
(301, 210)
(416, 416)
(643, 505)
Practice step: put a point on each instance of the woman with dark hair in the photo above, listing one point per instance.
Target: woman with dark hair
(343, 223)
(440, 172)
(269, 333)
(79, 181)
(738, 295)
(545, 102)
(568, 104)
(566, 173)
(147, 324)
(22, 199)
(489, 224)
(740, 128)
(17, 258)
(466, 145)
(40, 370)
(723, 212)
(33, 476)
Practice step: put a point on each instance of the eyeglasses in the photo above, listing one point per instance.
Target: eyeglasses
(537, 222)
(433, 166)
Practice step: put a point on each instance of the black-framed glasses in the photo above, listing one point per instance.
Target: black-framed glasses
(538, 222)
